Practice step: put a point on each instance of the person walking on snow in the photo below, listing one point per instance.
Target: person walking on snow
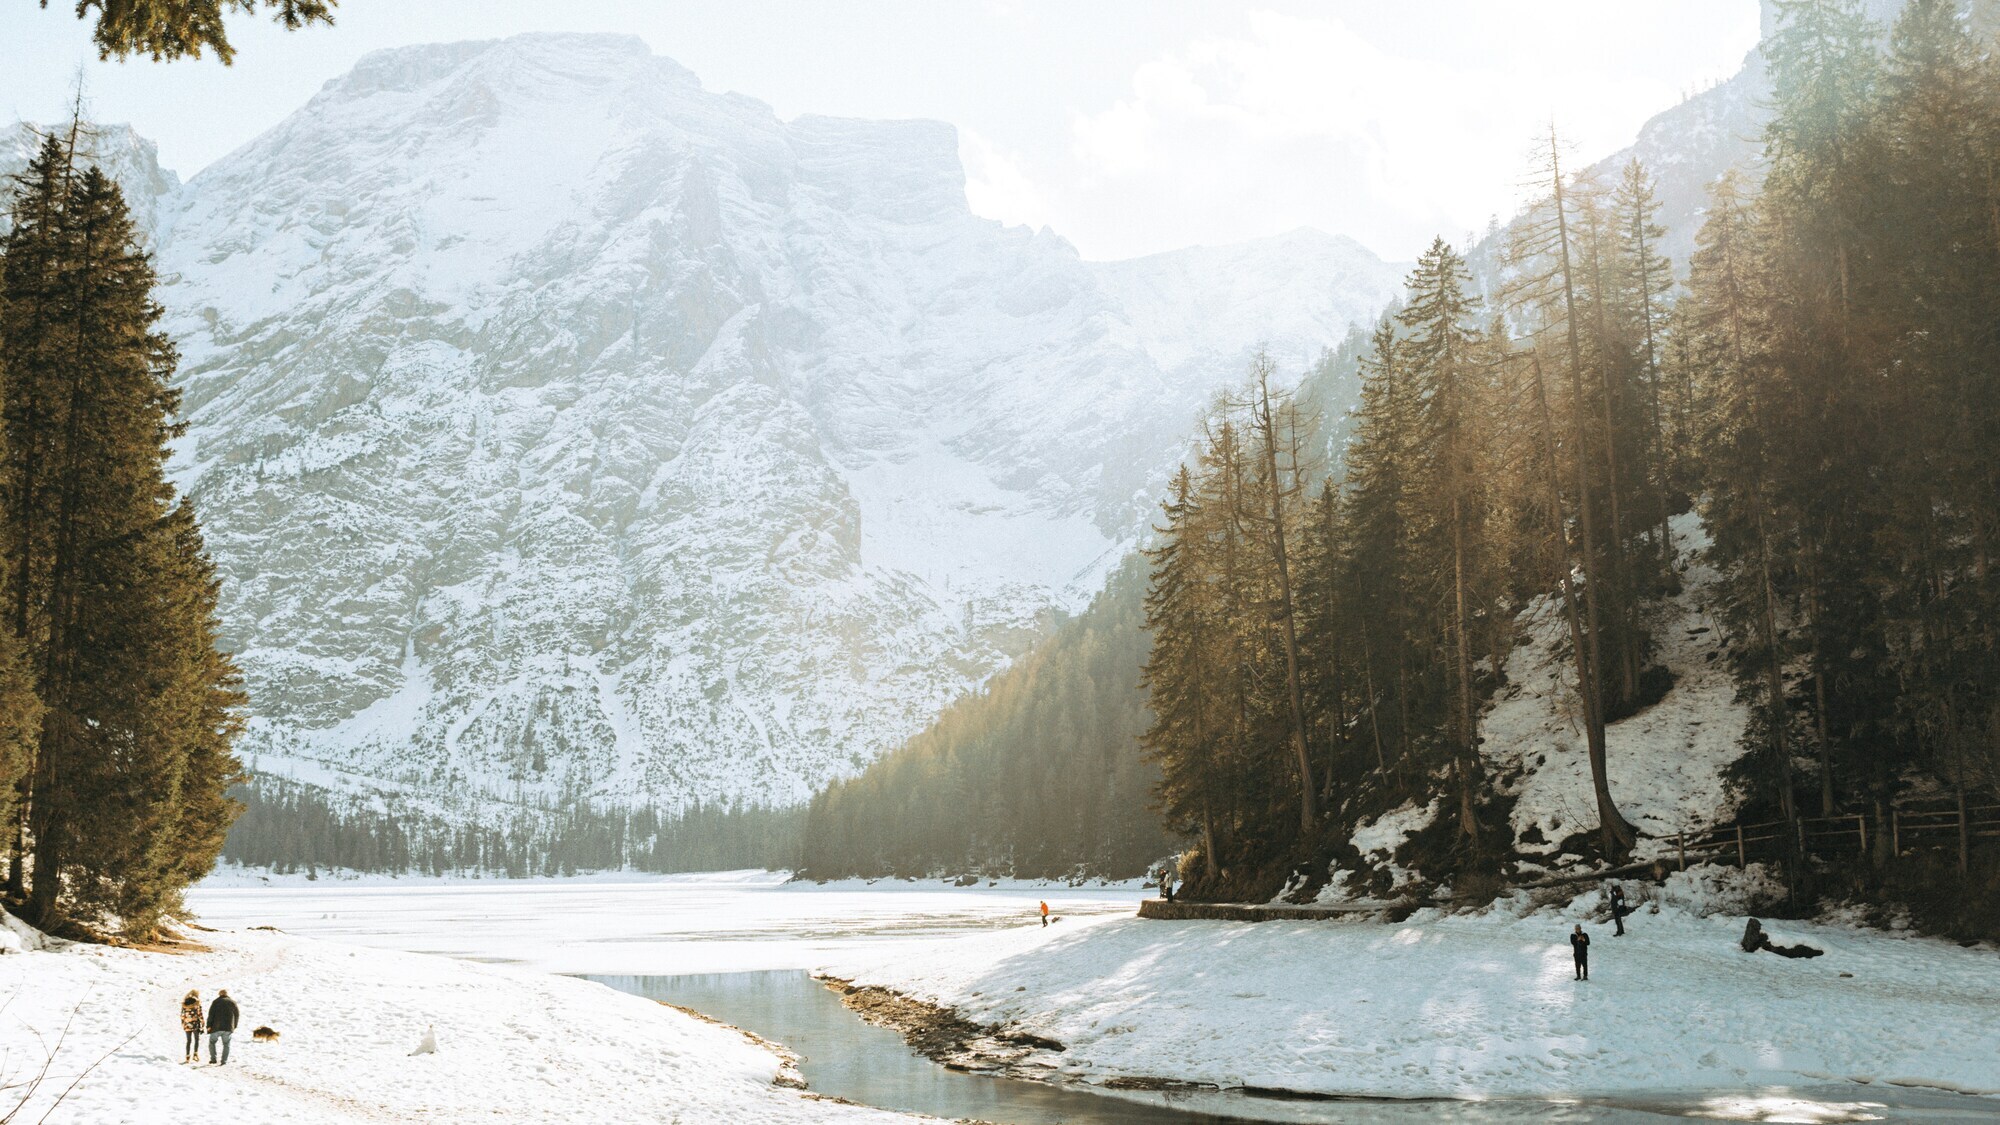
(191, 1026)
(1045, 914)
(1618, 910)
(222, 1017)
(1579, 945)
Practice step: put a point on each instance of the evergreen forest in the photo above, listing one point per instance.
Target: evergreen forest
(287, 828)
(1809, 405)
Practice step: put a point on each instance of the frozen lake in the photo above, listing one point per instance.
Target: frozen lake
(727, 922)
(734, 946)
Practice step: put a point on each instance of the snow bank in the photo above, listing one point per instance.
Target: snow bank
(1471, 1005)
(512, 1046)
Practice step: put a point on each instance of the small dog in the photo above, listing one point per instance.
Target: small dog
(265, 1034)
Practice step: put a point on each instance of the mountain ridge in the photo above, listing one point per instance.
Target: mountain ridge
(565, 431)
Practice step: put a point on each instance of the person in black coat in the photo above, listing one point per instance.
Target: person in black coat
(1579, 947)
(1618, 910)
(222, 1017)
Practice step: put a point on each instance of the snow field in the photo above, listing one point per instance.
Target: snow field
(513, 1046)
(716, 923)
(1474, 1005)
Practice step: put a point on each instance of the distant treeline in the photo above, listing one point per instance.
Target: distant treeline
(1037, 776)
(287, 826)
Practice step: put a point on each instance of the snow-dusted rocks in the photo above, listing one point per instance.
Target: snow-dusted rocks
(564, 429)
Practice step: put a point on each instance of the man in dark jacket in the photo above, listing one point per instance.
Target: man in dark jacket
(1618, 910)
(222, 1018)
(1579, 946)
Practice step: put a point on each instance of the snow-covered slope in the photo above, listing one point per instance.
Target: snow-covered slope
(1204, 308)
(565, 429)
(512, 1046)
(1667, 765)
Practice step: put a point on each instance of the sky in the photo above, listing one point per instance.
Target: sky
(1128, 126)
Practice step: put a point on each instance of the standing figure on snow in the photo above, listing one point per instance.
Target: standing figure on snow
(222, 1017)
(1618, 910)
(1579, 946)
(1167, 882)
(1045, 914)
(191, 1026)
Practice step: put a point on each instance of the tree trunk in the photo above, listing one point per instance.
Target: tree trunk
(1774, 680)
(1374, 705)
(1615, 834)
(1468, 753)
(1308, 814)
(1666, 552)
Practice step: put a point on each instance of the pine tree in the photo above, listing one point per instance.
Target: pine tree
(173, 29)
(193, 715)
(1728, 297)
(1932, 229)
(1375, 572)
(108, 589)
(1187, 717)
(1442, 347)
(1645, 277)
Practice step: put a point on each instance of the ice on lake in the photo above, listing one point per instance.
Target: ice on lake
(712, 923)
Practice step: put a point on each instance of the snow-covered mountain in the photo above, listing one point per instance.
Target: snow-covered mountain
(563, 428)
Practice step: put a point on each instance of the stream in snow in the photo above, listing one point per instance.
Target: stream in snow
(737, 948)
(842, 1056)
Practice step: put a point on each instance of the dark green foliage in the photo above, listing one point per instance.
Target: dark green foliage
(109, 596)
(1842, 338)
(173, 29)
(1038, 775)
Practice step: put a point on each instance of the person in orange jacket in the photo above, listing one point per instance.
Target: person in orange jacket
(1045, 914)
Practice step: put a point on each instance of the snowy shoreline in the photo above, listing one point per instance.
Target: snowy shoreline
(1460, 1006)
(1440, 1005)
(513, 1045)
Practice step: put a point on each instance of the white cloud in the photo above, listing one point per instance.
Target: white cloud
(1291, 120)
(995, 185)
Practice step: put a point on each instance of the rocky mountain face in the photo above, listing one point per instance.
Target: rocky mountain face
(566, 430)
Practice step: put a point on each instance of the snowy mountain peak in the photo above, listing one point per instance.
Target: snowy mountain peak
(130, 159)
(567, 431)
(521, 62)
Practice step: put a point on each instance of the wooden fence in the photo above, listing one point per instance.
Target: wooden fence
(1932, 825)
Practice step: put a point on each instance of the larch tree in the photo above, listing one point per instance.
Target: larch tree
(1543, 291)
(1277, 445)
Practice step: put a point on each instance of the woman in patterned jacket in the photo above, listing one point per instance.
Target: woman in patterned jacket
(191, 1024)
